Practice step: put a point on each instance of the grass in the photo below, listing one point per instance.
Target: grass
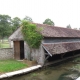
(11, 65)
(4, 44)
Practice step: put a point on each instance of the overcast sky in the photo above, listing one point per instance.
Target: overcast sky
(62, 12)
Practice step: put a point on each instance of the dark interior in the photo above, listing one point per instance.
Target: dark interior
(63, 55)
(21, 49)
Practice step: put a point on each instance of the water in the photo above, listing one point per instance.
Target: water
(59, 71)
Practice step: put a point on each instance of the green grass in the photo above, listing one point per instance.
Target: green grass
(4, 44)
(11, 65)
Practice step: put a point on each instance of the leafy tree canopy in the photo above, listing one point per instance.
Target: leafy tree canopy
(27, 18)
(8, 25)
(5, 25)
(31, 35)
(15, 23)
(68, 26)
(49, 22)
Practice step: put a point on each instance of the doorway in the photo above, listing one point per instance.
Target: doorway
(18, 50)
(21, 49)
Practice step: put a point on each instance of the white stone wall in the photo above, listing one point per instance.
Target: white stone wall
(26, 51)
(6, 53)
(38, 55)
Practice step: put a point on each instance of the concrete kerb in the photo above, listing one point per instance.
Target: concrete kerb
(26, 70)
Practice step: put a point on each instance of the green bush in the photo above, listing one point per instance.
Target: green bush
(31, 34)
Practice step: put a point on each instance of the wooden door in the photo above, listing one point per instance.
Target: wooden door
(17, 50)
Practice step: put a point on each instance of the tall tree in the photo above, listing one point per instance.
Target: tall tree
(5, 26)
(15, 23)
(27, 18)
(49, 22)
(68, 26)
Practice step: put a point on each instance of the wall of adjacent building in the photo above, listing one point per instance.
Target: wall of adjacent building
(36, 54)
(57, 40)
(6, 53)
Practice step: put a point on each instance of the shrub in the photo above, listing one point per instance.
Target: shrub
(31, 34)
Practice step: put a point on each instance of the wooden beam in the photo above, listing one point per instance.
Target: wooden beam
(62, 55)
(47, 57)
(47, 51)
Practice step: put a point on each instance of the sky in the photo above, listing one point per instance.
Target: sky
(61, 12)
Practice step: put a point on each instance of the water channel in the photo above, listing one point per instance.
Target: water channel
(65, 70)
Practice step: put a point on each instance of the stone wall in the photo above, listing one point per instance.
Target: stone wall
(6, 53)
(36, 55)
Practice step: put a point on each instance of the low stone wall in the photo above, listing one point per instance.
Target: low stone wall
(6, 53)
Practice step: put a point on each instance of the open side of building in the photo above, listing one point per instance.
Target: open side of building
(57, 42)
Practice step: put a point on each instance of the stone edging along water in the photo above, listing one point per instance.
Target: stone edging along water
(23, 71)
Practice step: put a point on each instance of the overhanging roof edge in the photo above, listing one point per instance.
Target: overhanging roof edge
(47, 51)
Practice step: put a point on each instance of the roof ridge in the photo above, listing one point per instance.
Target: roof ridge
(54, 26)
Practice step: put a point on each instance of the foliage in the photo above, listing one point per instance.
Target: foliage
(68, 26)
(49, 22)
(31, 35)
(15, 23)
(5, 25)
(8, 25)
(27, 18)
(11, 65)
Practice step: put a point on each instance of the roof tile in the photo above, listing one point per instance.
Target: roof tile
(61, 47)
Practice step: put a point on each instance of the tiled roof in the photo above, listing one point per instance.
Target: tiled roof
(49, 31)
(62, 47)
(54, 31)
(17, 35)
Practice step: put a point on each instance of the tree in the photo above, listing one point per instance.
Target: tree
(5, 26)
(27, 18)
(49, 22)
(68, 26)
(15, 23)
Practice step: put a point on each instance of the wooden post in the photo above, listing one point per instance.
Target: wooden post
(62, 55)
